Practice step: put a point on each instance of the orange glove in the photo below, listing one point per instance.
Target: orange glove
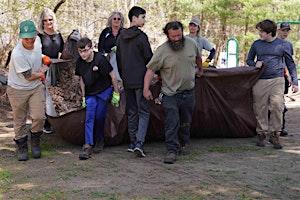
(43, 75)
(46, 60)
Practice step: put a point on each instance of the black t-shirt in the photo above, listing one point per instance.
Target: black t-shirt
(51, 44)
(107, 40)
(95, 81)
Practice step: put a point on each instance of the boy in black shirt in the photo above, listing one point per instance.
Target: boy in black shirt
(96, 77)
(133, 54)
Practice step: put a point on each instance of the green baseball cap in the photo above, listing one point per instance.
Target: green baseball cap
(27, 29)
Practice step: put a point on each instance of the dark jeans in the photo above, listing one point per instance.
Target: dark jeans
(138, 113)
(179, 110)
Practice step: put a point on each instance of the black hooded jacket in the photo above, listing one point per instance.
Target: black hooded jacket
(133, 54)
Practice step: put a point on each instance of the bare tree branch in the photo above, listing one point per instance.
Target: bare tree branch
(58, 5)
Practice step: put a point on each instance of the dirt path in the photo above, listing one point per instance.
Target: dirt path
(216, 169)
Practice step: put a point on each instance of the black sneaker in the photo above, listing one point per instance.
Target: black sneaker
(131, 147)
(138, 150)
(170, 158)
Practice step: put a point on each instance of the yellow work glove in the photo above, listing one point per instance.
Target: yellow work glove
(206, 63)
(83, 102)
(114, 49)
(115, 99)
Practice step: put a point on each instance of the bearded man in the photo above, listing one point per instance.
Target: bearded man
(175, 60)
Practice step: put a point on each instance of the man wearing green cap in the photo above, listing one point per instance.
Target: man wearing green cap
(26, 91)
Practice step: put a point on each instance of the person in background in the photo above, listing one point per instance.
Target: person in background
(133, 53)
(275, 55)
(26, 91)
(51, 38)
(52, 45)
(202, 42)
(283, 33)
(108, 39)
(96, 80)
(178, 82)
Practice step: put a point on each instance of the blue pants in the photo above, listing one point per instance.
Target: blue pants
(138, 114)
(179, 110)
(96, 109)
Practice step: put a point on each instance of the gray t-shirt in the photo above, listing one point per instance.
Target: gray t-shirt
(202, 43)
(275, 55)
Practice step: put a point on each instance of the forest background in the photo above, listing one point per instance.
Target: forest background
(220, 19)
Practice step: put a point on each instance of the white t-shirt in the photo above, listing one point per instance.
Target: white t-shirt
(202, 43)
(23, 60)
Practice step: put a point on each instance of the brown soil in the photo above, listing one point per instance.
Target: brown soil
(216, 169)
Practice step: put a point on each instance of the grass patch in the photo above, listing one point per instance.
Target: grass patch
(193, 157)
(228, 149)
(49, 149)
(4, 175)
(97, 194)
(283, 178)
(245, 197)
(51, 194)
(5, 180)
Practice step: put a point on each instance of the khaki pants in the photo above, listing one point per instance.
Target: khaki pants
(24, 103)
(268, 97)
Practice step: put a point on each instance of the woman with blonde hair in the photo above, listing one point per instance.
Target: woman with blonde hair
(52, 44)
(52, 41)
(108, 38)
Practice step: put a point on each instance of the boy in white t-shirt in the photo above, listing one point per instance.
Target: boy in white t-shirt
(26, 91)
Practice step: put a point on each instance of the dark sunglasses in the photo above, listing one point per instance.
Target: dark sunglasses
(117, 19)
(45, 20)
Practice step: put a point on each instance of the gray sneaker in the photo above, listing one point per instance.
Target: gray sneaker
(131, 147)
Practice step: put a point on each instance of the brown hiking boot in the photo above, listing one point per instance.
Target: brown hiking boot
(86, 153)
(98, 147)
(185, 149)
(35, 144)
(170, 158)
(274, 139)
(261, 140)
(22, 148)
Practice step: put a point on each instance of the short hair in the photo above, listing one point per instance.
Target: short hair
(135, 11)
(267, 26)
(174, 25)
(109, 20)
(84, 42)
(41, 23)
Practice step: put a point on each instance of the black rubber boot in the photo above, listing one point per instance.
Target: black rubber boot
(22, 148)
(35, 144)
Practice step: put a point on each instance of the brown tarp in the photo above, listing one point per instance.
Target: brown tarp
(223, 109)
